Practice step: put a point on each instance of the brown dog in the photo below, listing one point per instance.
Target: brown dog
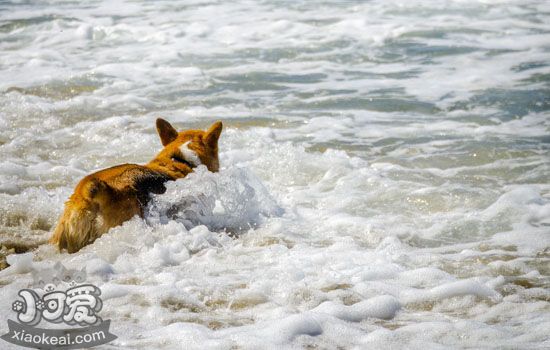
(109, 197)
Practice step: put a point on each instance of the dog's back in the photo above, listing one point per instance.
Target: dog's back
(103, 200)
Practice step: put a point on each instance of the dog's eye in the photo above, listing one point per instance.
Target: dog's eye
(179, 159)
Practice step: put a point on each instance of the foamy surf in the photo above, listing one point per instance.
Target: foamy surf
(384, 168)
(234, 200)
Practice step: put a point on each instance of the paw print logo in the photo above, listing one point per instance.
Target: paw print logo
(17, 306)
(49, 288)
(40, 305)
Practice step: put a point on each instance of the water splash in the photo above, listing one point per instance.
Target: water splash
(234, 200)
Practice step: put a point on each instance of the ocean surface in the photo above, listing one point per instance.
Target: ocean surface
(384, 177)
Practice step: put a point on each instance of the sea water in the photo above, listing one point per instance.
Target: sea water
(384, 168)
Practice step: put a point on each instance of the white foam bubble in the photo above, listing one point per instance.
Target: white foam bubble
(383, 307)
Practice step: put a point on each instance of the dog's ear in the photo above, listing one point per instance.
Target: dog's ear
(166, 131)
(213, 134)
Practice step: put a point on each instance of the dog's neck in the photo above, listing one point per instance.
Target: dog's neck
(169, 169)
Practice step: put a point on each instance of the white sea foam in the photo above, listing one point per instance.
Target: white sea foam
(233, 200)
(384, 168)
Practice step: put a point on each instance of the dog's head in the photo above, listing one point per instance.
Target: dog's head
(185, 150)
